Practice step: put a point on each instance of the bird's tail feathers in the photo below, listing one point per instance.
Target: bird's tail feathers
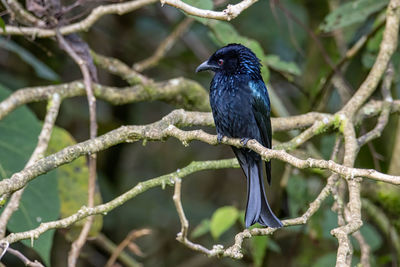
(258, 209)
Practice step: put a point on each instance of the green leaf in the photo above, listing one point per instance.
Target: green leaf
(42, 70)
(259, 248)
(350, 13)
(2, 25)
(73, 184)
(223, 219)
(202, 4)
(201, 229)
(39, 203)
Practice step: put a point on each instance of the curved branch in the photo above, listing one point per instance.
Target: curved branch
(141, 187)
(161, 130)
(84, 25)
(180, 92)
(231, 11)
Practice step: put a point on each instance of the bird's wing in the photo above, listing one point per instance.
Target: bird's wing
(261, 111)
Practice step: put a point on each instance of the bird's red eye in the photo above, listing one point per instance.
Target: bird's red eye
(220, 62)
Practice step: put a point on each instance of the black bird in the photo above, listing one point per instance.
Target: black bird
(241, 109)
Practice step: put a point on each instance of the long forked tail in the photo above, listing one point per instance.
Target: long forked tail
(257, 209)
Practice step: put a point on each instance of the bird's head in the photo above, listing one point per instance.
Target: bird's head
(232, 59)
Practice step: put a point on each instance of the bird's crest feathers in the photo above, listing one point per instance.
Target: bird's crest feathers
(237, 59)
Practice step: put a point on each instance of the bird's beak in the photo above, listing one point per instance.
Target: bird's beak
(205, 66)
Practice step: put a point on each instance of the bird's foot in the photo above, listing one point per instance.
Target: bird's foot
(219, 138)
(244, 141)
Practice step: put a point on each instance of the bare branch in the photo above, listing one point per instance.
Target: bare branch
(182, 235)
(22, 15)
(106, 244)
(160, 131)
(231, 11)
(24, 259)
(84, 25)
(141, 187)
(117, 67)
(131, 237)
(179, 91)
(384, 117)
(83, 64)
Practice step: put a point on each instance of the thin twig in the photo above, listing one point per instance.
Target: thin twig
(84, 25)
(129, 238)
(182, 235)
(384, 116)
(323, 91)
(83, 65)
(21, 14)
(231, 12)
(106, 244)
(24, 259)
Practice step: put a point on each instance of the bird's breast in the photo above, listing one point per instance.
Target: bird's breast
(232, 111)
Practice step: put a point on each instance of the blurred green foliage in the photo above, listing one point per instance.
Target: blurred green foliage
(40, 201)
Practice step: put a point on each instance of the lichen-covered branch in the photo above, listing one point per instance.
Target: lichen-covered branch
(22, 15)
(84, 25)
(231, 11)
(141, 187)
(180, 92)
(126, 242)
(24, 259)
(119, 68)
(168, 127)
(235, 251)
